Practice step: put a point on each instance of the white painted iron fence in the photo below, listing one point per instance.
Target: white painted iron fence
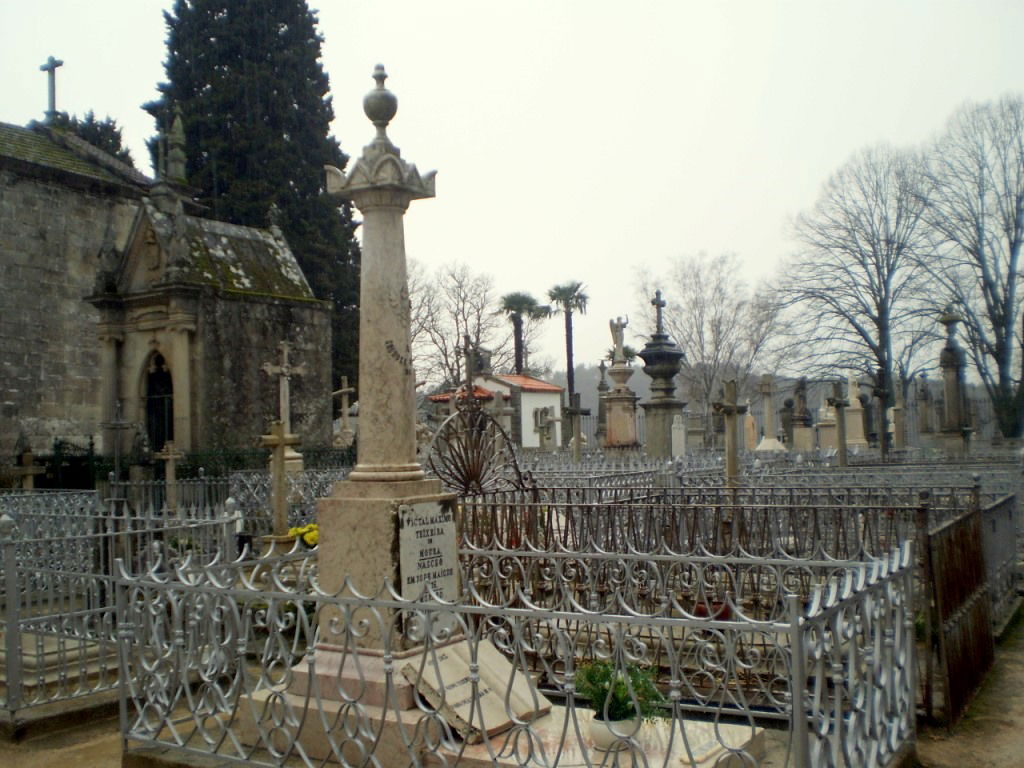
(57, 555)
(269, 674)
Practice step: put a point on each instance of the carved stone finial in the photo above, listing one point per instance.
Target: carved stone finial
(176, 159)
(380, 104)
(381, 167)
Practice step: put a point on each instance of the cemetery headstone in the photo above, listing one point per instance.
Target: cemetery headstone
(678, 436)
(284, 370)
(898, 417)
(769, 442)
(749, 429)
(803, 434)
(856, 436)
(839, 404)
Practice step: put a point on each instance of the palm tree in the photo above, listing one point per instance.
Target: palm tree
(521, 306)
(568, 298)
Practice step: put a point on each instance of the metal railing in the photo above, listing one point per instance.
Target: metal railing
(279, 680)
(57, 555)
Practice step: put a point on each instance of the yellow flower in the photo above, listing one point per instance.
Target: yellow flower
(309, 533)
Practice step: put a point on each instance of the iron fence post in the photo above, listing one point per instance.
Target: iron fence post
(926, 597)
(909, 636)
(125, 634)
(798, 684)
(12, 617)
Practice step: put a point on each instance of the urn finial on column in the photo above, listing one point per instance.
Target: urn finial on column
(380, 105)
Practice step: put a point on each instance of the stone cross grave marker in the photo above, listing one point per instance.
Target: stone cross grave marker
(27, 470)
(346, 435)
(575, 412)
(284, 371)
(118, 425)
(278, 441)
(170, 455)
(730, 410)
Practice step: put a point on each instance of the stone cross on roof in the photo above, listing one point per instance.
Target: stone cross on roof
(50, 67)
(659, 305)
(284, 372)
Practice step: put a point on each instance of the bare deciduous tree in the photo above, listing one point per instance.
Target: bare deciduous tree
(721, 325)
(447, 306)
(975, 206)
(855, 291)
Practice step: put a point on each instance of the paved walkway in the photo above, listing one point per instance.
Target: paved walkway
(991, 735)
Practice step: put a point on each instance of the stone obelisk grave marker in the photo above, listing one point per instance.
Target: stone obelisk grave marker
(386, 520)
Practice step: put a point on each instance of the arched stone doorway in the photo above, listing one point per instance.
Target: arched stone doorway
(159, 403)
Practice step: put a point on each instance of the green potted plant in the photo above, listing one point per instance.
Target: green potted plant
(619, 698)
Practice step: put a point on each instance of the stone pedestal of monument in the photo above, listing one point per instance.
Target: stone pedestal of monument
(828, 437)
(769, 443)
(662, 359)
(855, 437)
(803, 439)
(620, 409)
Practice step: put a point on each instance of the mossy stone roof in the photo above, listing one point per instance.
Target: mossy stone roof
(233, 257)
(63, 152)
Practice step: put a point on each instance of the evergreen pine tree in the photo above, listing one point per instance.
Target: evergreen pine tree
(104, 134)
(247, 77)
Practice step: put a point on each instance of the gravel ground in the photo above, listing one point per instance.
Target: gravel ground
(991, 734)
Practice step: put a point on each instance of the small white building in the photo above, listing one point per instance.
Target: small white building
(528, 409)
(534, 414)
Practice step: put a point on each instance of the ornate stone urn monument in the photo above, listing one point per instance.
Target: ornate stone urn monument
(662, 360)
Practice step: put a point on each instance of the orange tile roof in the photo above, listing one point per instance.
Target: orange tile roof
(478, 392)
(528, 383)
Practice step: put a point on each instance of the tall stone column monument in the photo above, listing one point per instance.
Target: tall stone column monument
(955, 426)
(367, 521)
(662, 360)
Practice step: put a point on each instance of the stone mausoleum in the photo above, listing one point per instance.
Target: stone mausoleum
(122, 304)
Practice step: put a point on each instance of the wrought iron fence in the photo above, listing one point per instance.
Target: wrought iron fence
(278, 677)
(251, 493)
(1000, 531)
(57, 554)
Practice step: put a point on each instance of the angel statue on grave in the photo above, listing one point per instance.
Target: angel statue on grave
(618, 327)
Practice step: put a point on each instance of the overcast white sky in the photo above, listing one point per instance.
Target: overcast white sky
(576, 140)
